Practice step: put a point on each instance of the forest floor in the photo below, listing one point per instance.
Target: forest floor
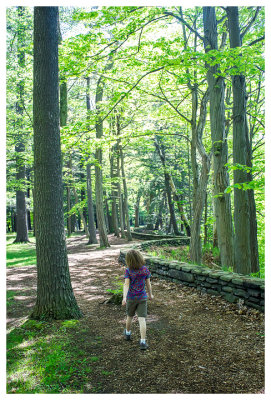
(198, 343)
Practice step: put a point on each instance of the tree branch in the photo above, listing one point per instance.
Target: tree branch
(185, 23)
(256, 41)
(250, 23)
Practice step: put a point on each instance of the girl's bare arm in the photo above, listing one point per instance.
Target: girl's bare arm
(125, 290)
(149, 289)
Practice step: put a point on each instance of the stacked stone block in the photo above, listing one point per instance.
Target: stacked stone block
(232, 287)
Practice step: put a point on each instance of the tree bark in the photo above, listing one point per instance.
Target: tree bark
(178, 202)
(114, 191)
(242, 250)
(91, 223)
(81, 212)
(109, 223)
(55, 297)
(125, 191)
(21, 215)
(159, 220)
(255, 267)
(200, 183)
(205, 220)
(136, 206)
(216, 87)
(69, 223)
(98, 170)
(121, 211)
(28, 212)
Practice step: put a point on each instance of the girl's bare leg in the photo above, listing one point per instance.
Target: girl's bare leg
(142, 327)
(128, 323)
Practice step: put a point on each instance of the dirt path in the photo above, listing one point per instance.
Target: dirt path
(198, 343)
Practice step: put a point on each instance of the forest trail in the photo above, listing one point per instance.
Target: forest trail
(198, 343)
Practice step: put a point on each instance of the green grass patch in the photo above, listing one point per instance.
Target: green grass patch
(210, 257)
(20, 254)
(49, 357)
(166, 253)
(10, 297)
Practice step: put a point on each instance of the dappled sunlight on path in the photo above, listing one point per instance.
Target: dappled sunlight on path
(198, 342)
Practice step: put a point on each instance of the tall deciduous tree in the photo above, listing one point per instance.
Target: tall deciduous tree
(242, 249)
(221, 180)
(55, 297)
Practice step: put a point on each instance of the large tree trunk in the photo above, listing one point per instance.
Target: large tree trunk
(55, 297)
(21, 216)
(98, 171)
(242, 250)
(220, 149)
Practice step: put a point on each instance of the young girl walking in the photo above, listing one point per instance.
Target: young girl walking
(134, 294)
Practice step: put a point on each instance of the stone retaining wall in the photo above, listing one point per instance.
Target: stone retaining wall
(153, 236)
(232, 287)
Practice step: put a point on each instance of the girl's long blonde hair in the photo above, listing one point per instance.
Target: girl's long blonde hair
(134, 259)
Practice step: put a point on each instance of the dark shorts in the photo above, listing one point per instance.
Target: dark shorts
(136, 306)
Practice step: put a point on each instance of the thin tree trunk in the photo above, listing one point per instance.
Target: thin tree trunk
(81, 212)
(178, 201)
(242, 250)
(159, 220)
(199, 184)
(126, 209)
(136, 206)
(21, 220)
(28, 212)
(91, 223)
(205, 220)
(69, 224)
(55, 297)
(13, 221)
(98, 171)
(114, 193)
(108, 217)
(70, 218)
(122, 233)
(83, 189)
(161, 154)
(255, 267)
